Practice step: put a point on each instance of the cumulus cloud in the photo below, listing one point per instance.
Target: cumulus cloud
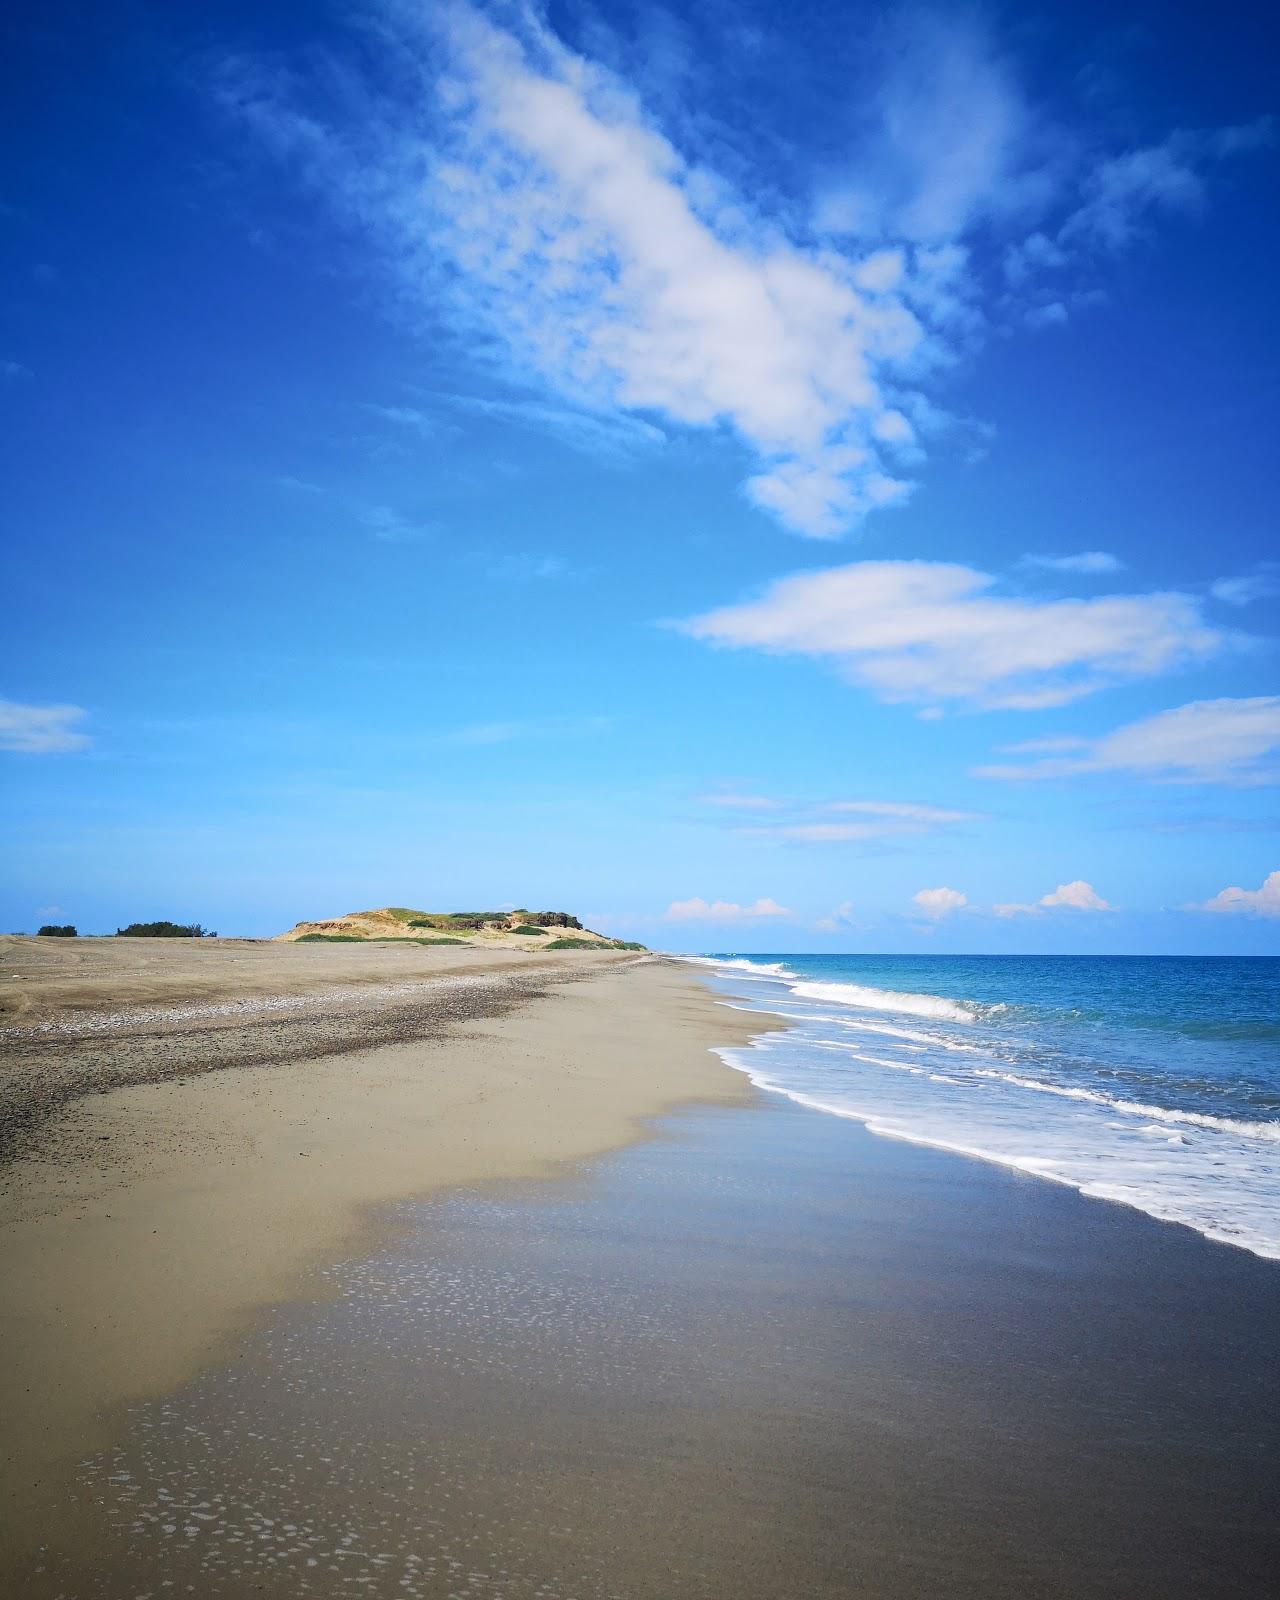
(1075, 896)
(1206, 741)
(1088, 562)
(1263, 901)
(41, 730)
(699, 910)
(1078, 896)
(932, 632)
(940, 902)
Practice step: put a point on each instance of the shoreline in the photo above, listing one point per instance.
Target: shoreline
(205, 1167)
(671, 1373)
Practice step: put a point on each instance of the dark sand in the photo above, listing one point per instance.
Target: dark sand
(765, 1357)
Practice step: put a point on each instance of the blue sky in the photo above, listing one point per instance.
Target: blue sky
(762, 478)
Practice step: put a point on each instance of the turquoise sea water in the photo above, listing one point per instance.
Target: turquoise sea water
(1151, 1081)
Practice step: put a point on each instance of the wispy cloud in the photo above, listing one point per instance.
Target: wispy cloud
(1088, 562)
(392, 526)
(839, 920)
(1263, 901)
(41, 730)
(699, 910)
(1111, 201)
(14, 369)
(1206, 741)
(901, 811)
(1125, 193)
(741, 802)
(608, 433)
(1243, 591)
(1075, 896)
(933, 632)
(816, 822)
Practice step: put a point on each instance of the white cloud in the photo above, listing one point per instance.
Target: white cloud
(940, 902)
(392, 526)
(41, 730)
(1078, 895)
(945, 143)
(1261, 902)
(899, 811)
(1075, 896)
(527, 198)
(1087, 562)
(698, 910)
(931, 632)
(1051, 314)
(609, 434)
(840, 918)
(621, 276)
(1123, 192)
(877, 819)
(1206, 741)
(1244, 591)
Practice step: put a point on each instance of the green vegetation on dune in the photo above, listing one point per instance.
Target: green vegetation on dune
(57, 930)
(460, 927)
(356, 938)
(471, 922)
(592, 944)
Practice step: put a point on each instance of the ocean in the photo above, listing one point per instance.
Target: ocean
(1153, 1082)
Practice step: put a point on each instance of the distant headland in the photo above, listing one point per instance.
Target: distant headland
(524, 929)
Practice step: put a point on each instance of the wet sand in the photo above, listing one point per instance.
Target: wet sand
(764, 1355)
(187, 1147)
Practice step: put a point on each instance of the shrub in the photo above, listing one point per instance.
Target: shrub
(165, 930)
(54, 930)
(593, 944)
(471, 921)
(526, 927)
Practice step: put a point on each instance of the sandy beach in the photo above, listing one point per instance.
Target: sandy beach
(472, 1275)
(194, 1130)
